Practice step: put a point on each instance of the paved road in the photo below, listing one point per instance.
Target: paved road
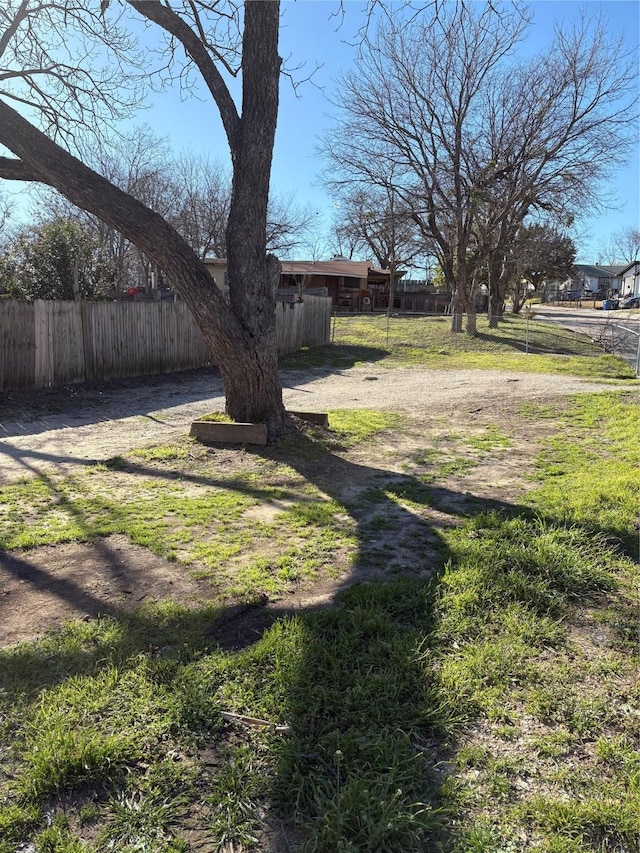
(617, 331)
(589, 320)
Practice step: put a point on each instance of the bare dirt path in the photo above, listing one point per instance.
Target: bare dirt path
(63, 429)
(55, 432)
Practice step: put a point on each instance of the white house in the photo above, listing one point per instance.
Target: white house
(630, 280)
(597, 278)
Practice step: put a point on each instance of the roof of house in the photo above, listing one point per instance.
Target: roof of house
(333, 267)
(629, 267)
(600, 270)
(337, 267)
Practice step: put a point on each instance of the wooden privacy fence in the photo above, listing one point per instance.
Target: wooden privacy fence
(45, 343)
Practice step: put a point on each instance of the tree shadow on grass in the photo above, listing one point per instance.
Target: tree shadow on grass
(540, 341)
(356, 681)
(331, 357)
(391, 538)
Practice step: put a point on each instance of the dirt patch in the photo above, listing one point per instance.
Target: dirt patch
(42, 587)
(45, 586)
(61, 430)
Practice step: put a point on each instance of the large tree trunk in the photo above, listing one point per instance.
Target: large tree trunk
(472, 322)
(496, 308)
(251, 380)
(241, 335)
(464, 303)
(253, 391)
(497, 287)
(519, 297)
(469, 304)
(456, 314)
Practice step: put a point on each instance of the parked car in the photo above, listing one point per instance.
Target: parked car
(630, 302)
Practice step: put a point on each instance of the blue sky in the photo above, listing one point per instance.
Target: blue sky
(309, 31)
(311, 34)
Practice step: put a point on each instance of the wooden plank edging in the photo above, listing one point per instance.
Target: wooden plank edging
(222, 432)
(320, 418)
(228, 432)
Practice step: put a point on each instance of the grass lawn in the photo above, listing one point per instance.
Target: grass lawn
(518, 344)
(476, 693)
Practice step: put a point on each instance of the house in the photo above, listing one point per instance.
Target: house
(630, 280)
(352, 285)
(218, 271)
(596, 278)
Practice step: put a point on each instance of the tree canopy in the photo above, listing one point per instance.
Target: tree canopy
(477, 139)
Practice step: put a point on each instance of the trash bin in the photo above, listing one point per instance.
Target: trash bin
(607, 304)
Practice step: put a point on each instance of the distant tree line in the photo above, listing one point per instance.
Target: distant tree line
(365, 224)
(67, 252)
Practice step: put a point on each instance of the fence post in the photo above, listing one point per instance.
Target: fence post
(638, 358)
(87, 341)
(526, 336)
(44, 335)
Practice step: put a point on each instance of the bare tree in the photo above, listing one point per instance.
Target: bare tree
(193, 193)
(373, 223)
(5, 217)
(52, 56)
(557, 127)
(288, 224)
(201, 192)
(411, 107)
(140, 165)
(622, 247)
(477, 141)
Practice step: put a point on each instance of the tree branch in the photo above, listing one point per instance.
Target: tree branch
(15, 170)
(173, 24)
(43, 160)
(21, 15)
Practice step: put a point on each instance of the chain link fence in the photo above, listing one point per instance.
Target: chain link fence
(624, 341)
(511, 332)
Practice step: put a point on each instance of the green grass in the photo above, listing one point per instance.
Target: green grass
(356, 425)
(491, 707)
(491, 438)
(167, 453)
(505, 603)
(454, 455)
(517, 345)
(589, 472)
(206, 529)
(392, 668)
(218, 417)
